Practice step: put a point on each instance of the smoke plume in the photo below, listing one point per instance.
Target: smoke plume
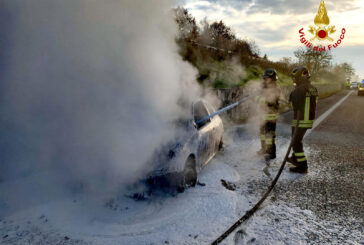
(88, 88)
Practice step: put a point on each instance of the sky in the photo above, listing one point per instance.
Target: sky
(274, 24)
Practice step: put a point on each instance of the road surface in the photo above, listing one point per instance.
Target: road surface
(333, 190)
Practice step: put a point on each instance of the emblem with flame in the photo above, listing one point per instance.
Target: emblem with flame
(322, 30)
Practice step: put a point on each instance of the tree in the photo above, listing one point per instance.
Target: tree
(287, 60)
(254, 47)
(220, 30)
(348, 70)
(315, 61)
(217, 34)
(243, 50)
(186, 23)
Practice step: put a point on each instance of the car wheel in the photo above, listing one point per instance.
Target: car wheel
(189, 175)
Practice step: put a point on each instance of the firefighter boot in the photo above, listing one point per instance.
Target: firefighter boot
(297, 159)
(302, 169)
(293, 161)
(270, 156)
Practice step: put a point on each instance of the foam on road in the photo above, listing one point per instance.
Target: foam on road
(291, 215)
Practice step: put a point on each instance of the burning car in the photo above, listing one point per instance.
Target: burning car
(179, 163)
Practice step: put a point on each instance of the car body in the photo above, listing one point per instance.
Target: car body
(179, 162)
(354, 85)
(361, 88)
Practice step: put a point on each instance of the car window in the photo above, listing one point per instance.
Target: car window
(200, 111)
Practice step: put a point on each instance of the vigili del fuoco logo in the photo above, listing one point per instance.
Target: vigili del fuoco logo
(321, 34)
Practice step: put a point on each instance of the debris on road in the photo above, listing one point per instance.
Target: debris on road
(228, 185)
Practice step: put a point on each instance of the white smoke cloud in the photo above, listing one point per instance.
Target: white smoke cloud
(89, 87)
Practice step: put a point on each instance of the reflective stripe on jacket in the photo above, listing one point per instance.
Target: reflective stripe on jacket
(271, 117)
(304, 99)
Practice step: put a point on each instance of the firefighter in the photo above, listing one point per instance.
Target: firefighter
(348, 83)
(268, 100)
(303, 98)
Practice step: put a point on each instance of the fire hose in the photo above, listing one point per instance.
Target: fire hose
(250, 212)
(222, 110)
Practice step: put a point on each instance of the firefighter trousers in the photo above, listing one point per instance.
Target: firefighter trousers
(268, 137)
(298, 153)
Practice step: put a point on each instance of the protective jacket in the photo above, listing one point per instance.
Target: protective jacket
(304, 99)
(268, 100)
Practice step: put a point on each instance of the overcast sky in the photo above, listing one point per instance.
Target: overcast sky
(274, 24)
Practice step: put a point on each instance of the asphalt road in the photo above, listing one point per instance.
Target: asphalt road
(334, 187)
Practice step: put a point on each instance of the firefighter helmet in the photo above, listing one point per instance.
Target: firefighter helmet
(270, 72)
(300, 73)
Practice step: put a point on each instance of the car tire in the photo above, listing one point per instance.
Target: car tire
(189, 175)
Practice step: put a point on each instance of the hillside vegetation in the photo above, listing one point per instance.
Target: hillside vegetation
(225, 61)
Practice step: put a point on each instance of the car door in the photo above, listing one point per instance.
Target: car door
(217, 129)
(205, 139)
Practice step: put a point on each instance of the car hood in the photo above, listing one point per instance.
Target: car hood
(165, 154)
